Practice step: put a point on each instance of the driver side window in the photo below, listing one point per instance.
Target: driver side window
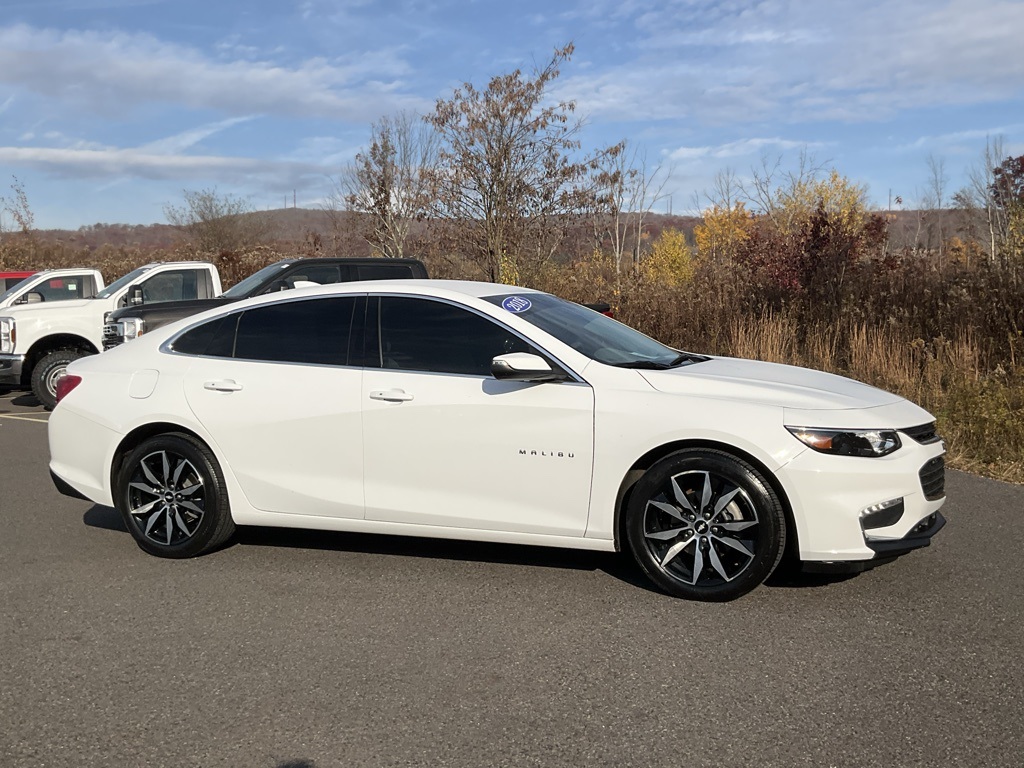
(424, 335)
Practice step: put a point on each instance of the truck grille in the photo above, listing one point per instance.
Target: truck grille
(112, 335)
(933, 479)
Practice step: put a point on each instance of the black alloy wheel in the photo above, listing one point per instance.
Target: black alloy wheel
(705, 525)
(172, 497)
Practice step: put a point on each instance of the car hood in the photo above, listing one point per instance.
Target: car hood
(48, 309)
(172, 309)
(785, 386)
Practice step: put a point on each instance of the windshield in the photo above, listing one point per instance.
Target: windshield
(242, 289)
(591, 333)
(120, 283)
(15, 288)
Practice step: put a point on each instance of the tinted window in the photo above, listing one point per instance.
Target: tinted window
(215, 338)
(242, 289)
(423, 335)
(314, 331)
(384, 271)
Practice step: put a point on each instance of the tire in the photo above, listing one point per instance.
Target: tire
(48, 370)
(705, 525)
(171, 493)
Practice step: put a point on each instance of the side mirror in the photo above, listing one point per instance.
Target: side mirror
(522, 366)
(32, 297)
(135, 296)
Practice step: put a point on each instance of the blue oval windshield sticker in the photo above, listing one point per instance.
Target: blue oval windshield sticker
(516, 304)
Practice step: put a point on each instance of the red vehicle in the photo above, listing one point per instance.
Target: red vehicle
(10, 279)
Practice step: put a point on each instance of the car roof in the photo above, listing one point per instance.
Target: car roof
(427, 287)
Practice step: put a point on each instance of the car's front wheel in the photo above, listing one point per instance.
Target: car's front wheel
(171, 494)
(705, 525)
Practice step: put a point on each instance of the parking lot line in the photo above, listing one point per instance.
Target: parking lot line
(20, 417)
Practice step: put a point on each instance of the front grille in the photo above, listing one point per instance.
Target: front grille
(112, 335)
(923, 434)
(933, 479)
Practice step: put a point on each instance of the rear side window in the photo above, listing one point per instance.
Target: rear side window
(314, 331)
(215, 338)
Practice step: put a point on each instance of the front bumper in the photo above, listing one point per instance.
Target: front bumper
(832, 498)
(10, 368)
(885, 551)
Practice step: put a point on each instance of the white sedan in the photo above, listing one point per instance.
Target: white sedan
(491, 413)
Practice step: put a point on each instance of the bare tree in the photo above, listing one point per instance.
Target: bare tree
(726, 191)
(624, 191)
(932, 205)
(508, 173)
(218, 223)
(390, 182)
(982, 193)
(17, 208)
(773, 191)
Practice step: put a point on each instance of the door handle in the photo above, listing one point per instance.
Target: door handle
(225, 385)
(391, 395)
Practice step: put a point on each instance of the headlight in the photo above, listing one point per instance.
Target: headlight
(848, 442)
(8, 336)
(132, 328)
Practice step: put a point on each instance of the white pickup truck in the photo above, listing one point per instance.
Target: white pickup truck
(39, 337)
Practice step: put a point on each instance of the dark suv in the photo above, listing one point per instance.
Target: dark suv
(132, 321)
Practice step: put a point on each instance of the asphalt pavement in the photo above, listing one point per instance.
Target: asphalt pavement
(298, 649)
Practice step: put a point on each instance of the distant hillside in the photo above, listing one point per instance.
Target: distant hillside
(296, 225)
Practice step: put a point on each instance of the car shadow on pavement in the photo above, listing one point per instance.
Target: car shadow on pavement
(788, 575)
(107, 518)
(618, 566)
(615, 565)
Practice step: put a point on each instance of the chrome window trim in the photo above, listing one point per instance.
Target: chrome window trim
(167, 346)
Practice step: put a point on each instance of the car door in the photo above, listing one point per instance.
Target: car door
(446, 444)
(273, 387)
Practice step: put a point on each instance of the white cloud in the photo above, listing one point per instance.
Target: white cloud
(191, 137)
(799, 60)
(104, 163)
(742, 148)
(946, 139)
(110, 72)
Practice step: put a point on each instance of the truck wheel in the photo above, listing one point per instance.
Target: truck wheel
(46, 373)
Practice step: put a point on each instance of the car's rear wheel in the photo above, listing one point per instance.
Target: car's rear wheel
(171, 494)
(48, 370)
(705, 525)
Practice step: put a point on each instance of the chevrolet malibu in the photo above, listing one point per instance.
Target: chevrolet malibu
(491, 413)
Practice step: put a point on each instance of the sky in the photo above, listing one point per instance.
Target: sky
(111, 109)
